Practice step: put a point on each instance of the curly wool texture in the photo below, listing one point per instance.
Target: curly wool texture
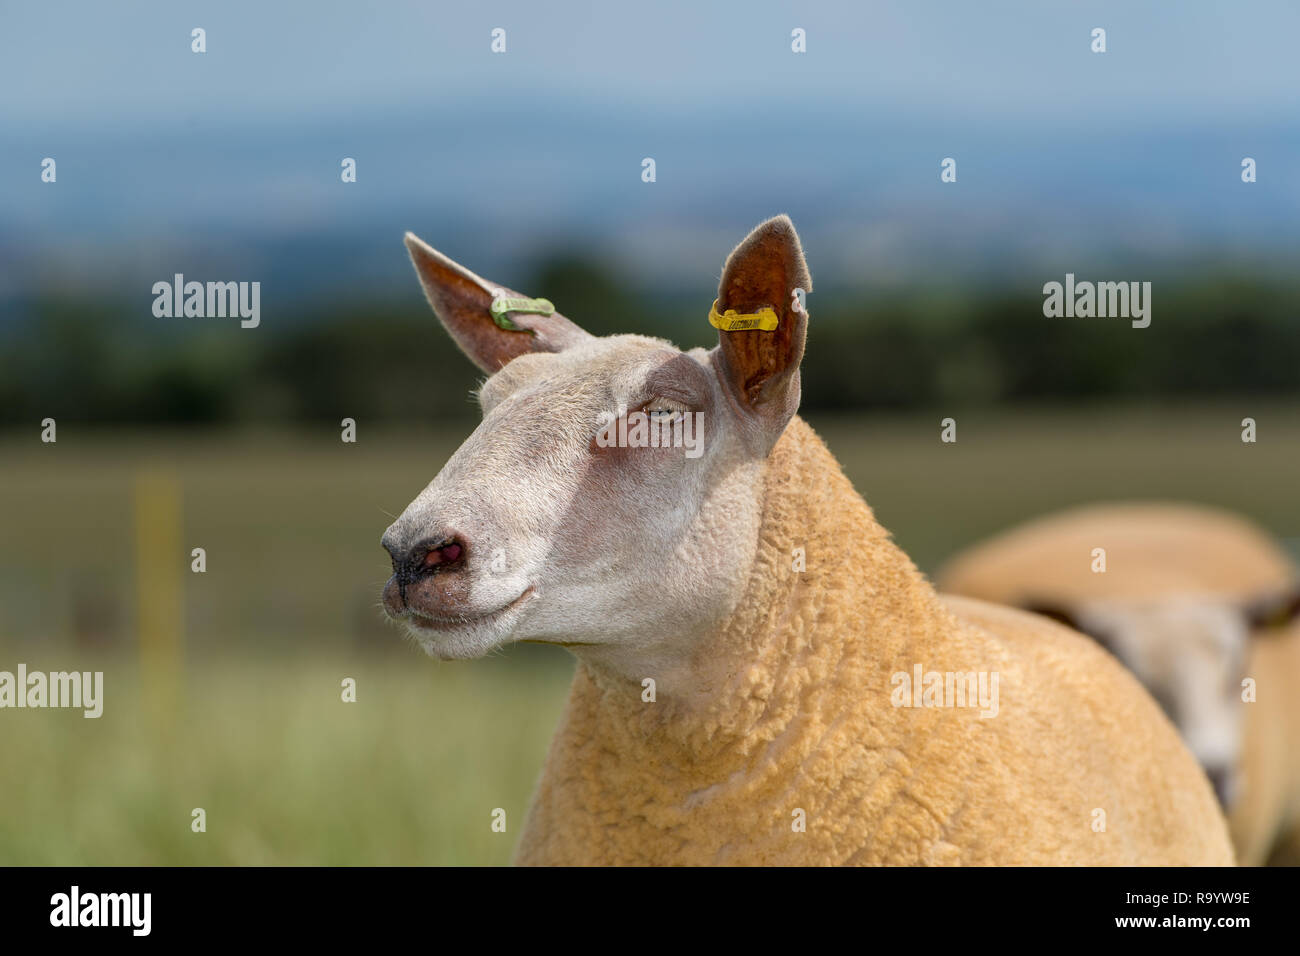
(1162, 549)
(788, 717)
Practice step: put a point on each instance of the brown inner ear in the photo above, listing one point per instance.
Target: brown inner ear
(755, 358)
(763, 272)
(462, 302)
(463, 308)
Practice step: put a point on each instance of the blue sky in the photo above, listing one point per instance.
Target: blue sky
(130, 62)
(172, 161)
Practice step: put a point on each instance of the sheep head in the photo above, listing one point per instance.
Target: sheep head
(610, 499)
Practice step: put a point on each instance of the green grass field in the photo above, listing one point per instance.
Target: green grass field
(286, 772)
(257, 734)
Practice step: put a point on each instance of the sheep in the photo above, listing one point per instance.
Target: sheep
(763, 676)
(1193, 600)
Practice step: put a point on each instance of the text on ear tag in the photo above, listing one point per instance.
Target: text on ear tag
(764, 320)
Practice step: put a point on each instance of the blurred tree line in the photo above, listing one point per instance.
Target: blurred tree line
(96, 361)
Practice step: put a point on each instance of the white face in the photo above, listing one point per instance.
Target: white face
(625, 552)
(1190, 653)
(610, 501)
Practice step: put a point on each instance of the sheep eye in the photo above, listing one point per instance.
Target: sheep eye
(661, 410)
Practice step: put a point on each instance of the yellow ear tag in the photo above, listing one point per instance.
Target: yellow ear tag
(732, 321)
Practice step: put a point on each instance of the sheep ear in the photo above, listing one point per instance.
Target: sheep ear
(463, 303)
(760, 368)
(1273, 612)
(1071, 617)
(1057, 612)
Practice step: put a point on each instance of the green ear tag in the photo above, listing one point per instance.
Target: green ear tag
(503, 304)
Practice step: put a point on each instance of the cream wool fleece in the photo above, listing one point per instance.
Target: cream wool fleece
(790, 717)
(1265, 819)
(1152, 549)
(1169, 549)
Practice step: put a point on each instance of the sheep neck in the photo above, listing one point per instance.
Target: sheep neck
(797, 642)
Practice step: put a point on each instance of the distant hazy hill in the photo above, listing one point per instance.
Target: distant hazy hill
(500, 189)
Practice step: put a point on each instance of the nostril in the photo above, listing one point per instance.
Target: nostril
(436, 555)
(445, 554)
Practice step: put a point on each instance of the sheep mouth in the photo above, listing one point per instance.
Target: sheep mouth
(434, 622)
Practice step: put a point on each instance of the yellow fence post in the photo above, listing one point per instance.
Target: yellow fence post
(160, 566)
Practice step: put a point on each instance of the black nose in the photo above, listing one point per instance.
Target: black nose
(428, 557)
